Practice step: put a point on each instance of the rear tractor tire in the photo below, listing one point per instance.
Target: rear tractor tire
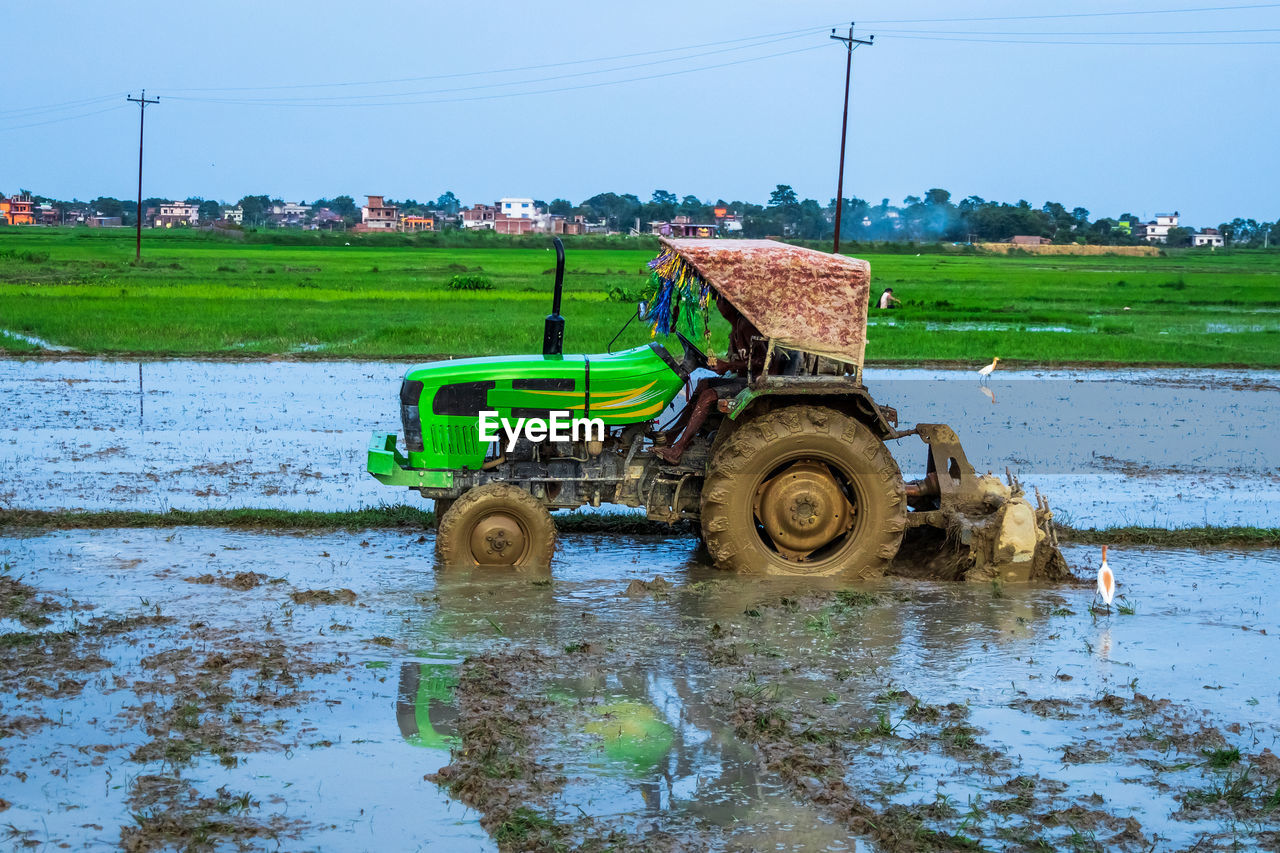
(804, 491)
(496, 526)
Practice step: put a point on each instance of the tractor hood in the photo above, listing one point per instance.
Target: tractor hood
(800, 298)
(440, 403)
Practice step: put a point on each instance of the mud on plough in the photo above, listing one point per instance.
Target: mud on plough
(966, 526)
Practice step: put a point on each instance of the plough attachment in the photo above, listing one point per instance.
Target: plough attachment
(971, 527)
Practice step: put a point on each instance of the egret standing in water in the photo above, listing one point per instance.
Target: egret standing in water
(1106, 580)
(986, 371)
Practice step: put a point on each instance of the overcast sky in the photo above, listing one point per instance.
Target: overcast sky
(1114, 128)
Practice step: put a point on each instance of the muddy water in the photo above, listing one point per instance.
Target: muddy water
(1108, 447)
(1004, 715)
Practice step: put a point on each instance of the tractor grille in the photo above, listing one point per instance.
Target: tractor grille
(454, 439)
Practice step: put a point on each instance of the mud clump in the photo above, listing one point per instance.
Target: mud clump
(214, 707)
(658, 586)
(1089, 752)
(24, 603)
(42, 663)
(493, 770)
(1138, 707)
(323, 596)
(1054, 709)
(240, 581)
(812, 761)
(171, 814)
(1245, 791)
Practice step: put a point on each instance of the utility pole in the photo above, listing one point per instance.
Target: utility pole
(851, 44)
(142, 118)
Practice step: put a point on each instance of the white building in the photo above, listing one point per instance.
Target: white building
(233, 214)
(1157, 231)
(289, 208)
(177, 213)
(1208, 237)
(517, 208)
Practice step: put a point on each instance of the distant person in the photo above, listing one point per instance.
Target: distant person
(888, 300)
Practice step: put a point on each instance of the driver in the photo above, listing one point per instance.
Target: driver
(705, 394)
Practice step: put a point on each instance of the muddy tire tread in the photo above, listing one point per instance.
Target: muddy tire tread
(453, 526)
(733, 547)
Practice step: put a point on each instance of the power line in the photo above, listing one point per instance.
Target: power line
(63, 118)
(1085, 32)
(525, 94)
(510, 70)
(1073, 15)
(1083, 43)
(353, 98)
(50, 108)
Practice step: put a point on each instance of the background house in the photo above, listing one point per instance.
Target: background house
(1207, 237)
(684, 226)
(18, 209)
(327, 219)
(1157, 231)
(177, 213)
(479, 216)
(727, 221)
(289, 214)
(517, 208)
(417, 223)
(378, 216)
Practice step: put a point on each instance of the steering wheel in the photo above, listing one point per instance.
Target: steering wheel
(694, 358)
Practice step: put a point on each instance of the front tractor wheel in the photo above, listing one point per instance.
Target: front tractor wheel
(496, 526)
(803, 490)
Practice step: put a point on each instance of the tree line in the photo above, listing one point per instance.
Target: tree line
(930, 217)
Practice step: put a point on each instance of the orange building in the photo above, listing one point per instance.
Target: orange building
(18, 210)
(417, 223)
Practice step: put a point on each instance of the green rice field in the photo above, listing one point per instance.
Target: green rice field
(78, 290)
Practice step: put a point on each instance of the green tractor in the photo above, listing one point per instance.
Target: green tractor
(778, 455)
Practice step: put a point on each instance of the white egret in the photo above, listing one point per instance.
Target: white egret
(986, 371)
(1106, 580)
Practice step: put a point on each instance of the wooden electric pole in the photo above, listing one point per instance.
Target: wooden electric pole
(851, 44)
(142, 118)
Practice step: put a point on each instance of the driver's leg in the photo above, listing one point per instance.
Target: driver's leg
(699, 408)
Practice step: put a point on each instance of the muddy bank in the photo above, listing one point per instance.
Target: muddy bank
(235, 687)
(1108, 447)
(407, 519)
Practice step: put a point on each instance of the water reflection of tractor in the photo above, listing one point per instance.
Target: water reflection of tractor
(779, 455)
(622, 729)
(425, 706)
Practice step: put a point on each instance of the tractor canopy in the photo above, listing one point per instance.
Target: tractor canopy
(798, 298)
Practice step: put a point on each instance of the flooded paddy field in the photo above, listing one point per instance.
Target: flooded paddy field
(166, 688)
(1108, 447)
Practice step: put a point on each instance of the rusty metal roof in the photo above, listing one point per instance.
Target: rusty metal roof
(801, 298)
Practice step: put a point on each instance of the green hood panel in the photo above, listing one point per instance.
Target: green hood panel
(619, 388)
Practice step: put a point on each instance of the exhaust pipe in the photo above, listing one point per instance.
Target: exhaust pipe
(553, 331)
